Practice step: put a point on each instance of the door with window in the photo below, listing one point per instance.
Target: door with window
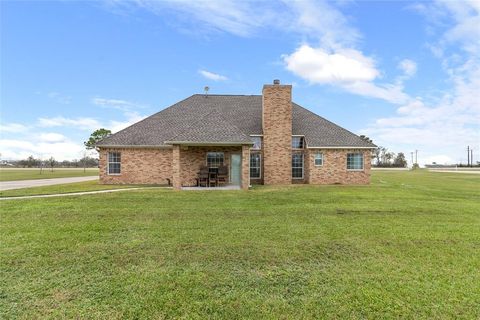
(236, 169)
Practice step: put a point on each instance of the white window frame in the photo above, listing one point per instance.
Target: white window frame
(119, 162)
(363, 161)
(259, 167)
(318, 153)
(303, 166)
(301, 137)
(261, 142)
(223, 157)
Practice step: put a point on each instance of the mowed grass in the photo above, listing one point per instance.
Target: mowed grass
(8, 174)
(408, 246)
(93, 185)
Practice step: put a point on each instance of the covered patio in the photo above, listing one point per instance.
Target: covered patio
(210, 144)
(213, 166)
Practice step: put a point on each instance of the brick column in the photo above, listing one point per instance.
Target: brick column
(245, 167)
(277, 134)
(177, 181)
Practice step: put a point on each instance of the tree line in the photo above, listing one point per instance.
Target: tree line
(386, 159)
(32, 162)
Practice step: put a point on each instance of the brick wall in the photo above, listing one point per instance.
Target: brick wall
(176, 168)
(277, 134)
(138, 166)
(245, 183)
(334, 169)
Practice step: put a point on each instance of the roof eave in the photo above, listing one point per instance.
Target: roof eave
(210, 143)
(341, 147)
(135, 146)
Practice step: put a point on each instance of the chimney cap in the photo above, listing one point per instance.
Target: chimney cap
(276, 81)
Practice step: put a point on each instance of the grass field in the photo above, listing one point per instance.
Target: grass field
(8, 174)
(408, 246)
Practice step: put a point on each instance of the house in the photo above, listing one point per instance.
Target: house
(265, 139)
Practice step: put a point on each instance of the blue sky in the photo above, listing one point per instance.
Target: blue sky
(407, 74)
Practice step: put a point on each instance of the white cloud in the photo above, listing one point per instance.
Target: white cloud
(132, 117)
(321, 21)
(409, 67)
(13, 127)
(80, 123)
(51, 137)
(392, 93)
(212, 76)
(317, 65)
(235, 17)
(21, 148)
(348, 69)
(116, 104)
(466, 31)
(335, 60)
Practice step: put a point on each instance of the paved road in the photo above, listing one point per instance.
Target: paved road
(457, 171)
(20, 184)
(79, 193)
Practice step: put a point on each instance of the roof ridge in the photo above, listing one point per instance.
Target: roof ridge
(227, 95)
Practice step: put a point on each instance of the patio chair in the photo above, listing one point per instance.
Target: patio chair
(203, 177)
(212, 179)
(222, 177)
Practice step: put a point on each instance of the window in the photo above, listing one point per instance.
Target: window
(297, 142)
(318, 159)
(297, 165)
(114, 163)
(354, 161)
(214, 159)
(257, 142)
(255, 164)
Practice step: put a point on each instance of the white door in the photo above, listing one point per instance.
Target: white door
(236, 169)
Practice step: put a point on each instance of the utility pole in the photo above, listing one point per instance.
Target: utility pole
(468, 156)
(416, 157)
(411, 153)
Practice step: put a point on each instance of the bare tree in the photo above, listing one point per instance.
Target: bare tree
(51, 163)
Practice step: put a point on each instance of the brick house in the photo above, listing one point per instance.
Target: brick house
(265, 139)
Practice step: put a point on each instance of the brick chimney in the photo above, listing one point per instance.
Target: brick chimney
(277, 133)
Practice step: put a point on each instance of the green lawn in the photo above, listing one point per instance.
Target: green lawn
(408, 246)
(7, 174)
(64, 188)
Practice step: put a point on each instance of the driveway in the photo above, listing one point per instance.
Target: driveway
(20, 184)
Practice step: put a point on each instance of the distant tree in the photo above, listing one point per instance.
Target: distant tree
(400, 160)
(383, 155)
(31, 162)
(51, 163)
(364, 137)
(389, 156)
(376, 155)
(65, 164)
(96, 136)
(88, 162)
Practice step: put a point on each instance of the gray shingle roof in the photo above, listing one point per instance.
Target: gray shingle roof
(226, 118)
